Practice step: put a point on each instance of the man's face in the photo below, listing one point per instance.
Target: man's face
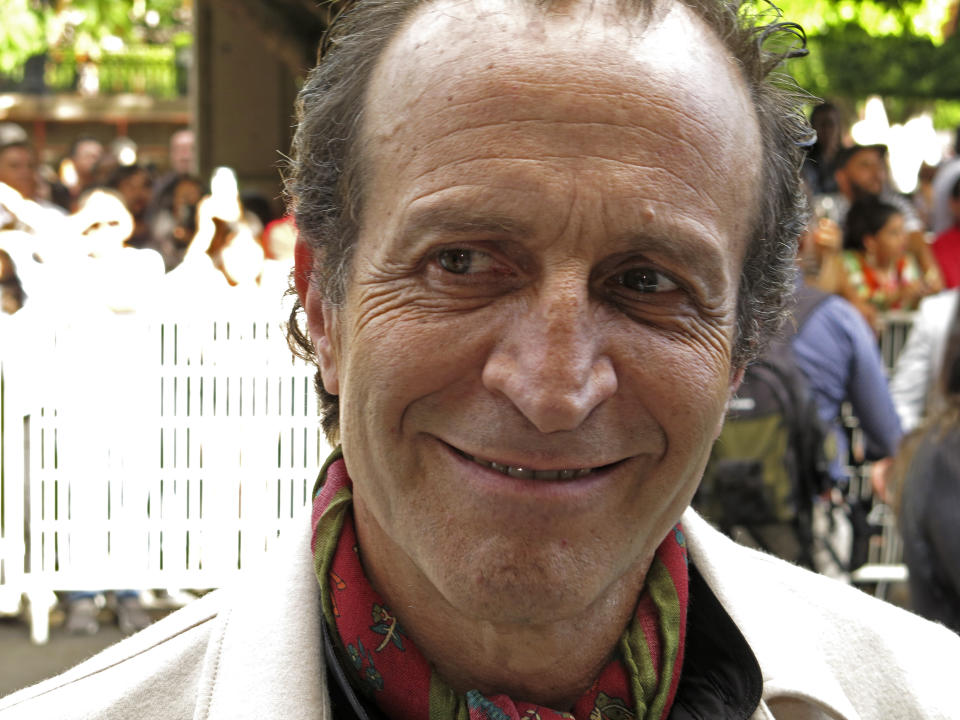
(181, 151)
(85, 157)
(136, 191)
(890, 241)
(864, 174)
(18, 169)
(533, 356)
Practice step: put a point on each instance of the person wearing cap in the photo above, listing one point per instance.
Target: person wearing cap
(22, 203)
(18, 162)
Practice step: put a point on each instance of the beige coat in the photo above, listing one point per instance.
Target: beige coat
(254, 650)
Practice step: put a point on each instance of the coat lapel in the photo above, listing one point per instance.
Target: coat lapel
(265, 657)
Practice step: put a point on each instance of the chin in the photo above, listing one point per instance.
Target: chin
(536, 588)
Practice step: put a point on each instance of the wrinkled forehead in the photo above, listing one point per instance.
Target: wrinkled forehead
(448, 47)
(568, 62)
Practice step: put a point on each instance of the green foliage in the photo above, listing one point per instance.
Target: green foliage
(21, 35)
(878, 17)
(946, 114)
(30, 27)
(846, 60)
(891, 48)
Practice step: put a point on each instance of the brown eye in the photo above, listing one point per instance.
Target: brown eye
(646, 280)
(455, 260)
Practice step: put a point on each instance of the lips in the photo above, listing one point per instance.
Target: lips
(516, 471)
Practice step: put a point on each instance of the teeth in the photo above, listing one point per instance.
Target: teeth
(529, 474)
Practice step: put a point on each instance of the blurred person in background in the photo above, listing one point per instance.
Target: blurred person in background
(913, 383)
(181, 160)
(878, 272)
(818, 165)
(12, 296)
(860, 172)
(78, 169)
(25, 202)
(18, 161)
(948, 172)
(928, 471)
(183, 152)
(837, 352)
(174, 221)
(120, 152)
(923, 195)
(224, 260)
(111, 273)
(946, 248)
(135, 187)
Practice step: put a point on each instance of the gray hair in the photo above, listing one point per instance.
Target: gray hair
(325, 191)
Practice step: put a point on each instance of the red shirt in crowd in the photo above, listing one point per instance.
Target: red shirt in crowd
(946, 248)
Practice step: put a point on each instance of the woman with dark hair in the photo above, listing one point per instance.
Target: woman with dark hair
(929, 464)
(135, 185)
(878, 272)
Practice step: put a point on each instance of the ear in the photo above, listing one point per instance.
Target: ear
(322, 318)
(736, 377)
(303, 269)
(326, 340)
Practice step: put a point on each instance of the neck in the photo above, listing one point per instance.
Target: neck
(551, 664)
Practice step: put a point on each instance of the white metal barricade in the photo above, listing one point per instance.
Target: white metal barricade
(152, 453)
(895, 326)
(155, 453)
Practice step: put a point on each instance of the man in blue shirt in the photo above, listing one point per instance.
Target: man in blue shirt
(838, 354)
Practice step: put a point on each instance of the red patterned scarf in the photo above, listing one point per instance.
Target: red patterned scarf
(638, 684)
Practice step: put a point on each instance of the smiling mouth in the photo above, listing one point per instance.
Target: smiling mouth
(516, 471)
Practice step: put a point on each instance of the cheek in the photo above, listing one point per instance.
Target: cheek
(687, 384)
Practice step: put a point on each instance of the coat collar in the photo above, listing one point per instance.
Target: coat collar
(268, 635)
(782, 638)
(265, 657)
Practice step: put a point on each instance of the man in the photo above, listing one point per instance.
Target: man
(182, 150)
(134, 183)
(531, 277)
(182, 161)
(18, 162)
(818, 164)
(861, 172)
(78, 171)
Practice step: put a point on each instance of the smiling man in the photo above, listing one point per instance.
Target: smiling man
(538, 244)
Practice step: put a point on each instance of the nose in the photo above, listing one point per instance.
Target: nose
(551, 361)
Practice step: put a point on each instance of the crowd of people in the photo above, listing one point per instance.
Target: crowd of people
(136, 238)
(882, 251)
(103, 234)
(139, 240)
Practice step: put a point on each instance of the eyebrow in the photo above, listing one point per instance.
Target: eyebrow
(455, 221)
(677, 247)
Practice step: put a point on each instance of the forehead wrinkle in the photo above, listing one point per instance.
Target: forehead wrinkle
(452, 219)
(684, 134)
(695, 189)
